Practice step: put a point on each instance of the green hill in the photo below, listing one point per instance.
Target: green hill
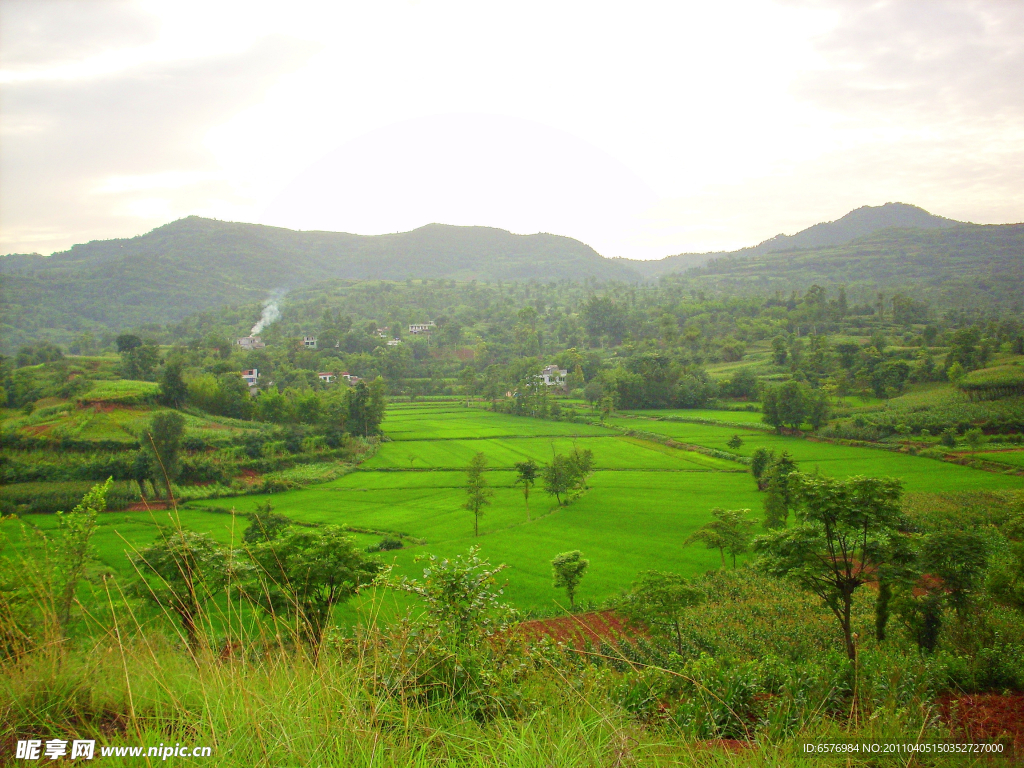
(967, 267)
(197, 264)
(862, 222)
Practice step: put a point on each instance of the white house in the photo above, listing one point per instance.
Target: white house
(251, 342)
(422, 327)
(394, 342)
(553, 376)
(350, 379)
(309, 342)
(327, 377)
(250, 376)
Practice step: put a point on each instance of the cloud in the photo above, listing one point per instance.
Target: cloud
(39, 34)
(75, 153)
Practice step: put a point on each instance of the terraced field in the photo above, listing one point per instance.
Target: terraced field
(644, 500)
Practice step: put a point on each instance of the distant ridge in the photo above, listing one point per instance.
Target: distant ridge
(860, 222)
(196, 264)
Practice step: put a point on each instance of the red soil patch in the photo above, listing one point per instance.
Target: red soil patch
(250, 476)
(987, 717)
(580, 629)
(142, 506)
(38, 429)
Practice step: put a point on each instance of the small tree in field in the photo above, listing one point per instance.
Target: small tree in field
(735, 442)
(479, 495)
(728, 532)
(581, 466)
(567, 570)
(558, 477)
(659, 600)
(840, 538)
(526, 474)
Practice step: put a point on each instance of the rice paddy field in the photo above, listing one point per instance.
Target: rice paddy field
(644, 499)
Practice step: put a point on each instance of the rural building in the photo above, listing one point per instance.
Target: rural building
(422, 327)
(250, 376)
(394, 342)
(251, 342)
(327, 377)
(553, 376)
(350, 379)
(309, 342)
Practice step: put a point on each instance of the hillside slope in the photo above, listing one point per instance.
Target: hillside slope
(862, 222)
(195, 264)
(969, 266)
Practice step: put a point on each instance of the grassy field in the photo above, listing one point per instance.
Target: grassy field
(644, 500)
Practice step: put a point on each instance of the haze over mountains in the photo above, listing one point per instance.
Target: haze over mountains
(195, 264)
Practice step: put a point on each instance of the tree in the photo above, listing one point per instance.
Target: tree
(138, 362)
(557, 477)
(173, 390)
(581, 466)
(164, 440)
(181, 572)
(567, 570)
(479, 495)
(959, 559)
(304, 573)
(792, 404)
(817, 409)
(526, 474)
(126, 342)
(760, 461)
(735, 442)
(841, 536)
(366, 406)
(770, 413)
(461, 596)
(779, 496)
(659, 600)
(265, 525)
(779, 350)
(74, 546)
(728, 532)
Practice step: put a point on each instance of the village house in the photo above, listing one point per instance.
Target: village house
(394, 342)
(250, 376)
(327, 377)
(350, 379)
(309, 342)
(553, 376)
(251, 342)
(422, 327)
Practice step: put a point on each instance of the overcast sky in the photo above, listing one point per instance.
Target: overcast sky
(643, 129)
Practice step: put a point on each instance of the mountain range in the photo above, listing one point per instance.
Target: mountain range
(195, 264)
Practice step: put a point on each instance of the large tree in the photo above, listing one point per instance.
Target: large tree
(181, 572)
(303, 573)
(839, 540)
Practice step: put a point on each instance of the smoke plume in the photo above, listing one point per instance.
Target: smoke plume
(271, 313)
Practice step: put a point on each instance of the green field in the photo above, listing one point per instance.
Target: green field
(1011, 458)
(645, 498)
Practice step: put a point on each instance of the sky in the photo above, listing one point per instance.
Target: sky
(643, 129)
